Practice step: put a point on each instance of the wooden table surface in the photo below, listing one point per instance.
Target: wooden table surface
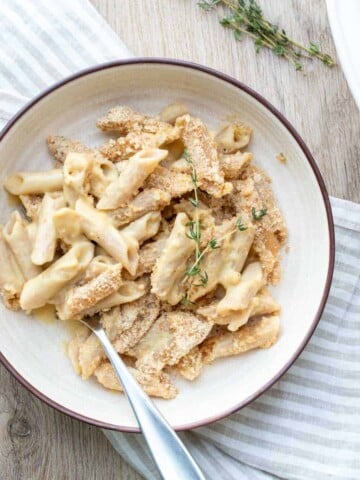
(38, 443)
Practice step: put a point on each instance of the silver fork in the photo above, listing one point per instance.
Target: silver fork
(169, 453)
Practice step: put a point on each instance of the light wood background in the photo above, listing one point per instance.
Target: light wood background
(38, 443)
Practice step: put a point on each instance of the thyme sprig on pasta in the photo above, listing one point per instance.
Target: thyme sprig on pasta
(194, 232)
(198, 276)
(258, 215)
(247, 18)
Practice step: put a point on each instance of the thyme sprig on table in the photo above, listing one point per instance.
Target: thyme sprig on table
(247, 18)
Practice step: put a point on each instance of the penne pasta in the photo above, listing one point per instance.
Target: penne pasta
(44, 244)
(262, 304)
(190, 365)
(17, 236)
(11, 277)
(171, 112)
(29, 183)
(129, 291)
(154, 385)
(139, 167)
(171, 337)
(233, 137)
(170, 268)
(77, 171)
(202, 152)
(239, 295)
(60, 146)
(149, 200)
(67, 225)
(124, 325)
(144, 227)
(83, 297)
(41, 289)
(260, 333)
(97, 226)
(103, 173)
(31, 204)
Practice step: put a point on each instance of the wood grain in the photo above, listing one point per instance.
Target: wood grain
(37, 442)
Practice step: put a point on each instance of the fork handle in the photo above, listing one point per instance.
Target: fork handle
(169, 453)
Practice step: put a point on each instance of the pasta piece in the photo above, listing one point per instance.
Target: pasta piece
(45, 239)
(171, 337)
(190, 365)
(171, 265)
(140, 132)
(98, 227)
(174, 183)
(81, 298)
(98, 265)
(232, 165)
(77, 172)
(139, 167)
(143, 228)
(155, 385)
(31, 204)
(262, 304)
(137, 319)
(171, 112)
(11, 277)
(149, 254)
(67, 225)
(31, 229)
(254, 192)
(80, 335)
(239, 295)
(128, 291)
(223, 265)
(60, 146)
(17, 236)
(258, 333)
(202, 151)
(146, 201)
(175, 151)
(125, 326)
(233, 137)
(29, 183)
(41, 289)
(203, 214)
(103, 173)
(123, 148)
(123, 120)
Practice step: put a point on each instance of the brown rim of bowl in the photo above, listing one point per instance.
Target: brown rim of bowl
(320, 181)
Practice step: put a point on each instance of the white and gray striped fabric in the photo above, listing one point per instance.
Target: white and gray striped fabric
(308, 425)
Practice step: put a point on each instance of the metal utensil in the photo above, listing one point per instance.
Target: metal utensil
(169, 453)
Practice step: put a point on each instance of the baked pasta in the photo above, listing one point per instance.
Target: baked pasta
(168, 231)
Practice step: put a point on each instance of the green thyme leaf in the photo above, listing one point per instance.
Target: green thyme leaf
(257, 215)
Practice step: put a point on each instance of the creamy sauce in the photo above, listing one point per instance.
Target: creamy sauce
(12, 200)
(45, 314)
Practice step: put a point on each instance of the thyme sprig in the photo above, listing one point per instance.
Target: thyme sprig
(257, 215)
(247, 18)
(197, 276)
(194, 232)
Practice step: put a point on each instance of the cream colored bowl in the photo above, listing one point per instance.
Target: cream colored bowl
(34, 351)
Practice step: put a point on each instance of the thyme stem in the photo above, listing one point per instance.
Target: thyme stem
(247, 18)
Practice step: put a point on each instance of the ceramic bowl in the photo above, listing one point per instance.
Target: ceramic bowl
(34, 351)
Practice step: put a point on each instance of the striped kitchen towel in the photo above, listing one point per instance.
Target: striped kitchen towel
(307, 426)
